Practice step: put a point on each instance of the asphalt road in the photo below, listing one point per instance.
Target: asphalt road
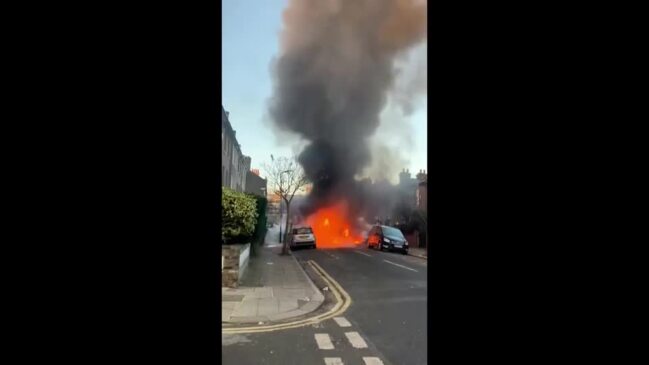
(388, 313)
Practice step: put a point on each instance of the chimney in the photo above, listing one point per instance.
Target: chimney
(404, 177)
(421, 176)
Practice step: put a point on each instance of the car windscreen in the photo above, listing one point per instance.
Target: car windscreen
(304, 230)
(392, 232)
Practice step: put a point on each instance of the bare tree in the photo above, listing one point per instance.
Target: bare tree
(285, 178)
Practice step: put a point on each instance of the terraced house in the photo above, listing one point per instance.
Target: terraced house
(234, 165)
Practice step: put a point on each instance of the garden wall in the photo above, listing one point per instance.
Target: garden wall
(234, 260)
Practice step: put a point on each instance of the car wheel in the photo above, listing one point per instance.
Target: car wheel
(405, 252)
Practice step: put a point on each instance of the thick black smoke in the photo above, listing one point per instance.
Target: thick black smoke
(332, 80)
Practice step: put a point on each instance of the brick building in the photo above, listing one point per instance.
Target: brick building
(422, 195)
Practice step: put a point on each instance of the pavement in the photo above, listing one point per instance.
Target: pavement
(274, 288)
(385, 324)
(418, 252)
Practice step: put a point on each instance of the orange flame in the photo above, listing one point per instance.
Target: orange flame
(332, 229)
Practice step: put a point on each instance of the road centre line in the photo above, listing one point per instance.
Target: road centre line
(362, 253)
(330, 255)
(395, 264)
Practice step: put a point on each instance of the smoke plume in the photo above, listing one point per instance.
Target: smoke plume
(332, 80)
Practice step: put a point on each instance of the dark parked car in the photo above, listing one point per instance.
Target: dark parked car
(301, 237)
(387, 238)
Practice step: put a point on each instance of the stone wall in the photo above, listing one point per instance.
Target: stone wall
(234, 263)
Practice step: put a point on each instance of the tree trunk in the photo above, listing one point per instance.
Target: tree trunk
(285, 245)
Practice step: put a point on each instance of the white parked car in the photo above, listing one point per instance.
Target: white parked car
(301, 236)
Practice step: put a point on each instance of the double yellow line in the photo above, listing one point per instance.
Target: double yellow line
(343, 301)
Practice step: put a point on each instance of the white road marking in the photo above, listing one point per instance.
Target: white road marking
(395, 264)
(342, 322)
(324, 341)
(333, 361)
(331, 255)
(372, 361)
(363, 253)
(356, 340)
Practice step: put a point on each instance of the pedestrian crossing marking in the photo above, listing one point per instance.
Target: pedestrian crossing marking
(324, 341)
(342, 322)
(372, 361)
(356, 340)
(333, 361)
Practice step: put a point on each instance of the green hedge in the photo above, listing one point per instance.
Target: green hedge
(239, 216)
(261, 227)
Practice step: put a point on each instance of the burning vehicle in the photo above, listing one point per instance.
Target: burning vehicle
(332, 227)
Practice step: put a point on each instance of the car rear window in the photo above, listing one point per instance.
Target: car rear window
(304, 230)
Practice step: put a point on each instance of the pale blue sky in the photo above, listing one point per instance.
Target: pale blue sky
(250, 41)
